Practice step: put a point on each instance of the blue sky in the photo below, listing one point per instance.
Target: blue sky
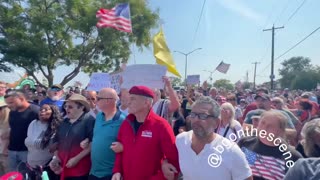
(231, 30)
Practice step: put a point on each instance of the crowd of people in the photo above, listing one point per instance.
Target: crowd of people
(153, 134)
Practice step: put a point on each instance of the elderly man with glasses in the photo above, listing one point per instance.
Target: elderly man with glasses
(203, 154)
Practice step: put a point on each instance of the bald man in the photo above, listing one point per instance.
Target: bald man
(105, 132)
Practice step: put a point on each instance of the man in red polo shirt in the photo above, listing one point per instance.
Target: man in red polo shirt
(147, 140)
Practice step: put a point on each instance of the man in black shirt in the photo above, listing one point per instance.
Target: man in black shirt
(268, 154)
(21, 115)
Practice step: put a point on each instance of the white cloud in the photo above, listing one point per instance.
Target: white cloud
(242, 9)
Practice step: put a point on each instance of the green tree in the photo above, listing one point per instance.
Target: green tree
(306, 80)
(176, 81)
(291, 68)
(223, 83)
(40, 35)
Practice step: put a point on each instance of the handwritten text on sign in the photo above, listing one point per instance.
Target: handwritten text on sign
(99, 81)
(149, 75)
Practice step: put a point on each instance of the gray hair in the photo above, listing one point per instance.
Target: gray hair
(214, 111)
(310, 129)
(278, 100)
(150, 100)
(230, 107)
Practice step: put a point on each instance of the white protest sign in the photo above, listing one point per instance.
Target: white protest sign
(318, 86)
(149, 75)
(193, 79)
(99, 81)
(115, 82)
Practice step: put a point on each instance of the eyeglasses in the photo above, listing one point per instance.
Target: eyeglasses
(201, 116)
(100, 98)
(68, 107)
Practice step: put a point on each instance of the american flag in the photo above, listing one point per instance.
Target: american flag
(223, 67)
(118, 17)
(267, 167)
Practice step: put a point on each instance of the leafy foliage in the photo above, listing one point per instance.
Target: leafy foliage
(223, 83)
(40, 35)
(298, 73)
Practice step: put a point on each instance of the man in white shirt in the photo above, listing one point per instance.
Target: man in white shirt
(204, 154)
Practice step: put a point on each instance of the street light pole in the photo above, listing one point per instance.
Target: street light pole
(186, 64)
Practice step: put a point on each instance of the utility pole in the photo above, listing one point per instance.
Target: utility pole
(247, 76)
(272, 54)
(254, 75)
(186, 64)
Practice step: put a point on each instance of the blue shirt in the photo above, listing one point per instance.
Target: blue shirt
(104, 134)
(58, 103)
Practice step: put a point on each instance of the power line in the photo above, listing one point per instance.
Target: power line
(298, 43)
(195, 34)
(295, 12)
(283, 10)
(292, 47)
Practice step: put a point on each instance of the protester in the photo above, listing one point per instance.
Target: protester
(308, 168)
(268, 154)
(70, 160)
(263, 102)
(124, 100)
(105, 132)
(55, 94)
(228, 125)
(163, 107)
(21, 115)
(147, 140)
(231, 98)
(4, 137)
(310, 139)
(40, 134)
(92, 99)
(195, 147)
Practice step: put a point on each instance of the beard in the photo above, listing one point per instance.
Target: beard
(201, 132)
(55, 98)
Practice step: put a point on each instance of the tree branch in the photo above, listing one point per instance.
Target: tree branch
(42, 70)
(31, 73)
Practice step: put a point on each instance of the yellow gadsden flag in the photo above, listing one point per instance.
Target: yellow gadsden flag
(162, 53)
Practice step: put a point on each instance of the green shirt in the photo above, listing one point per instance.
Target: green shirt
(104, 134)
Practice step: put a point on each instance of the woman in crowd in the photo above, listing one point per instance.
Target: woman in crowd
(308, 168)
(40, 132)
(228, 127)
(231, 98)
(310, 144)
(4, 136)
